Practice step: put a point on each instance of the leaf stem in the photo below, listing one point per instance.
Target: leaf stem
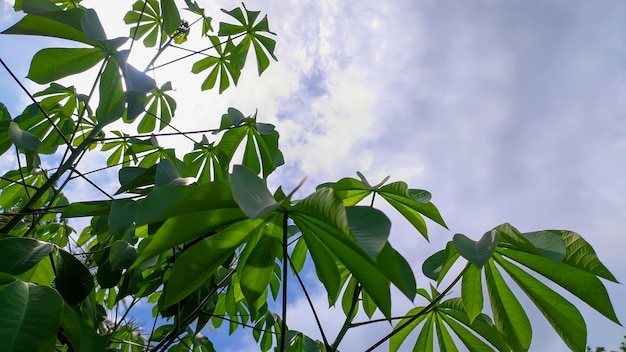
(349, 316)
(283, 326)
(308, 298)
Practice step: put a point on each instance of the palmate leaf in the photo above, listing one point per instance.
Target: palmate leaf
(261, 143)
(226, 67)
(203, 163)
(252, 30)
(561, 314)
(444, 315)
(159, 105)
(322, 220)
(150, 22)
(580, 283)
(398, 195)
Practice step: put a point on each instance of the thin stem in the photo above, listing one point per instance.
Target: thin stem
(223, 317)
(308, 298)
(420, 313)
(346, 324)
(136, 29)
(18, 182)
(170, 126)
(52, 180)
(283, 326)
(19, 167)
(197, 52)
(161, 49)
(119, 322)
(93, 184)
(169, 338)
(45, 114)
(178, 133)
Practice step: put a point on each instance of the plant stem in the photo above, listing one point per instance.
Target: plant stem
(421, 312)
(169, 338)
(308, 298)
(283, 326)
(346, 324)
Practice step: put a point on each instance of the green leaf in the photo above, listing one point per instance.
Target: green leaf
(167, 175)
(121, 255)
(92, 27)
(20, 254)
(581, 255)
(298, 255)
(481, 325)
(122, 216)
(432, 266)
(399, 196)
(370, 228)
(396, 340)
(397, 270)
(167, 202)
(561, 314)
(322, 216)
(548, 243)
(106, 275)
(138, 81)
(443, 336)
(257, 270)
(90, 208)
(23, 139)
(508, 313)
(472, 292)
(251, 193)
(171, 16)
(58, 24)
(425, 339)
(183, 228)
(350, 190)
(29, 317)
(73, 280)
(199, 262)
(580, 283)
(112, 98)
(325, 266)
(80, 335)
(477, 253)
(35, 6)
(473, 343)
(51, 64)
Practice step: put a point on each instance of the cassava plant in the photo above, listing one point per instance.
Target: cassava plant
(202, 239)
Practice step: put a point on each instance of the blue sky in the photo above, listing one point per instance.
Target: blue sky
(507, 111)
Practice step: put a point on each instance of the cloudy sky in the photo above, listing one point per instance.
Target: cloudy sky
(506, 110)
